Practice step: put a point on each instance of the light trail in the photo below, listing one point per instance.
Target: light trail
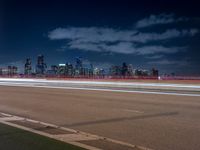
(99, 89)
(101, 83)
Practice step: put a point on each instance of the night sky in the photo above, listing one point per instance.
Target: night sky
(164, 34)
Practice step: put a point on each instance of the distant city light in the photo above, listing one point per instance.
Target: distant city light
(62, 65)
(78, 70)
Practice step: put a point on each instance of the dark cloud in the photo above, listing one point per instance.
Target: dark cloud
(98, 39)
(159, 20)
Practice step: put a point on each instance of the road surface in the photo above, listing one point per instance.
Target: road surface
(154, 120)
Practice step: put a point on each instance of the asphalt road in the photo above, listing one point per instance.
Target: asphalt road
(157, 121)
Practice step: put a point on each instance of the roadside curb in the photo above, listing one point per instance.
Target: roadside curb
(71, 136)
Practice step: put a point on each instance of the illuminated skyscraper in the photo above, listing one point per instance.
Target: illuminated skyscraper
(124, 69)
(41, 66)
(130, 70)
(79, 66)
(69, 70)
(62, 69)
(154, 72)
(27, 67)
(12, 70)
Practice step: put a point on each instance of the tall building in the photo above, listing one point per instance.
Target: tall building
(27, 67)
(41, 66)
(141, 72)
(130, 70)
(66, 70)
(54, 69)
(116, 71)
(79, 63)
(4, 71)
(62, 69)
(69, 69)
(154, 72)
(124, 69)
(78, 66)
(12, 70)
(91, 70)
(99, 72)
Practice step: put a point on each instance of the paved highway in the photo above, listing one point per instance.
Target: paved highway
(137, 115)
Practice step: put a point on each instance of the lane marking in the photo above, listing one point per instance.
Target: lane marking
(108, 90)
(134, 111)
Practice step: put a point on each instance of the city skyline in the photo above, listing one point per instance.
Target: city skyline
(75, 69)
(162, 34)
